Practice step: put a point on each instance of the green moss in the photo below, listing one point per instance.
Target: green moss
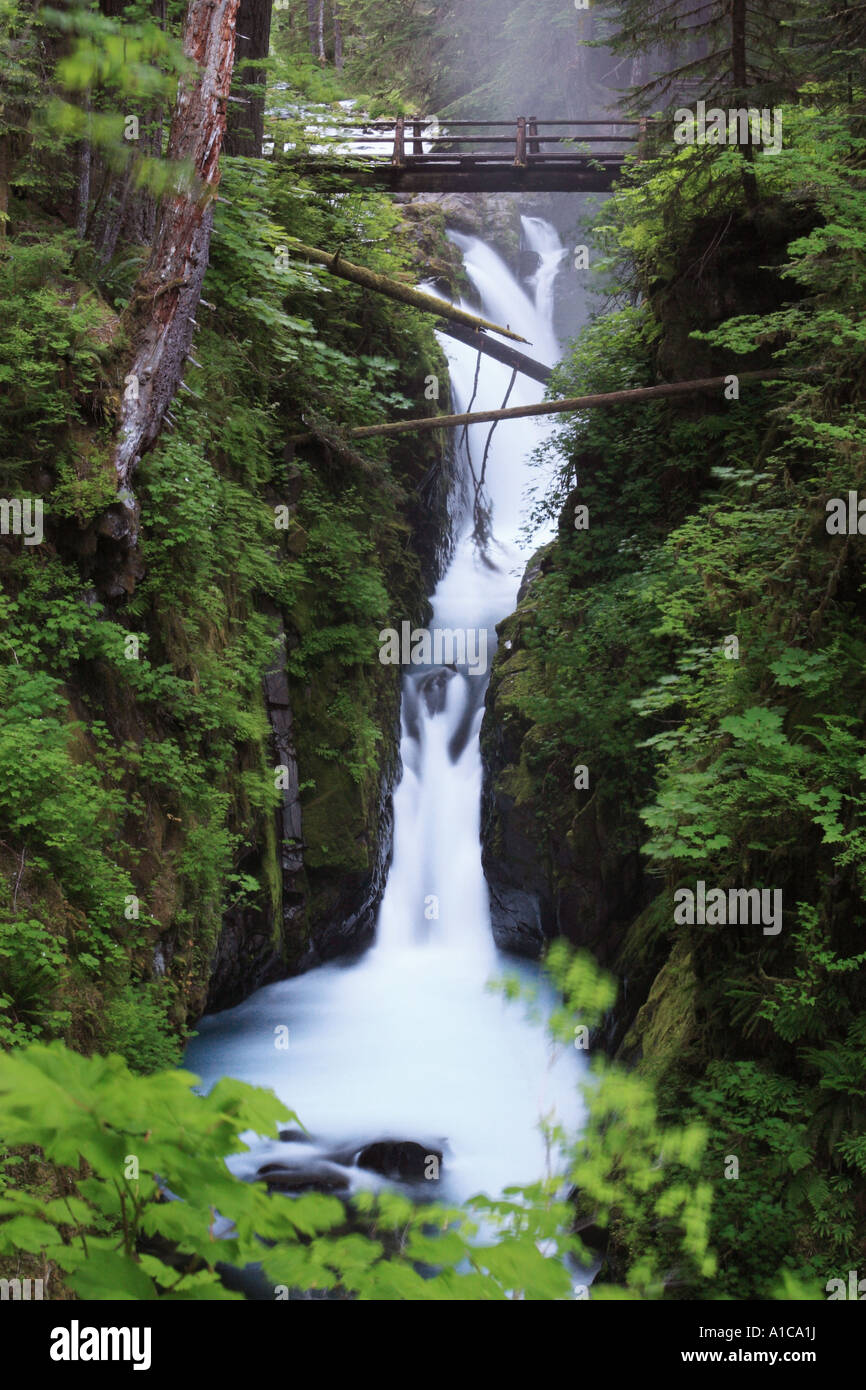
(645, 935)
(665, 1028)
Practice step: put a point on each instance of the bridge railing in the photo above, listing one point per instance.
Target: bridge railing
(529, 141)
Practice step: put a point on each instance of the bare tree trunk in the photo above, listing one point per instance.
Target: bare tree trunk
(139, 221)
(4, 184)
(157, 320)
(246, 124)
(320, 34)
(739, 73)
(115, 217)
(520, 412)
(312, 24)
(394, 289)
(82, 198)
(491, 347)
(338, 35)
(738, 47)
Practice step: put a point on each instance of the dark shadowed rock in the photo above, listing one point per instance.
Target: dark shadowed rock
(294, 1136)
(516, 921)
(595, 1237)
(400, 1158)
(311, 1177)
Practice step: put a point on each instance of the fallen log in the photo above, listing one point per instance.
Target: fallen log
(405, 294)
(518, 361)
(571, 403)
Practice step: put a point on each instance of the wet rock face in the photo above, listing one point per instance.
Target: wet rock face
(246, 955)
(495, 217)
(347, 906)
(253, 948)
(306, 1170)
(515, 916)
(554, 873)
(522, 914)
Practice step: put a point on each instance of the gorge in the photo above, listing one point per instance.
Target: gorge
(319, 715)
(405, 1043)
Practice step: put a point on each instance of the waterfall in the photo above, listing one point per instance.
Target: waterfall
(408, 1042)
(543, 240)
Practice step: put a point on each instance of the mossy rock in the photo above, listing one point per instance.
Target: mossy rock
(665, 1027)
(646, 935)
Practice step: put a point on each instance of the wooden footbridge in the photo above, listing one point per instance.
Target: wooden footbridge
(414, 155)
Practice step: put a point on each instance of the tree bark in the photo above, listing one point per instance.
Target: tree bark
(82, 198)
(739, 74)
(166, 295)
(338, 35)
(571, 403)
(4, 184)
(312, 24)
(246, 124)
(320, 34)
(371, 280)
(115, 216)
(738, 47)
(499, 351)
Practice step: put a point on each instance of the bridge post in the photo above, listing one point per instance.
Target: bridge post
(534, 145)
(417, 142)
(520, 150)
(641, 137)
(399, 155)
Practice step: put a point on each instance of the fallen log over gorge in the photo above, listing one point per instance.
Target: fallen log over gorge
(393, 289)
(520, 412)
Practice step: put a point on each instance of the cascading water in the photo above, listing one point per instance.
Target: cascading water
(407, 1042)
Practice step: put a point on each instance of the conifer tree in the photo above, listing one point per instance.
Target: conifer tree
(733, 52)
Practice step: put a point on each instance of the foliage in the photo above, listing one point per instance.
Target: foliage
(139, 1138)
(138, 1029)
(700, 649)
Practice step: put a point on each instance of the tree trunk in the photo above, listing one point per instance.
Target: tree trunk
(338, 35)
(82, 197)
(246, 124)
(572, 403)
(139, 220)
(739, 74)
(501, 352)
(372, 280)
(4, 184)
(312, 24)
(320, 34)
(738, 47)
(166, 295)
(115, 216)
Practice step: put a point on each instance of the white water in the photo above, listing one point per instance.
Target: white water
(354, 140)
(407, 1042)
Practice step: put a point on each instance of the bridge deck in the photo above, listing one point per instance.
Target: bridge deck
(441, 162)
(469, 176)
